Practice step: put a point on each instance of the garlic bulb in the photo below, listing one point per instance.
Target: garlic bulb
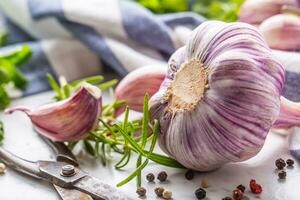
(282, 31)
(256, 11)
(67, 120)
(220, 97)
(136, 84)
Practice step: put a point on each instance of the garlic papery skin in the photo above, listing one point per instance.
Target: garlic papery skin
(137, 83)
(256, 11)
(67, 120)
(220, 97)
(282, 31)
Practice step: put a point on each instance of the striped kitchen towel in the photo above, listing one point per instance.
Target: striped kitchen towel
(79, 38)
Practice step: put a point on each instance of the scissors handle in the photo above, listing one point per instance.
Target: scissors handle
(19, 164)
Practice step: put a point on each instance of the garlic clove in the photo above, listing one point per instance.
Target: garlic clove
(289, 115)
(256, 11)
(136, 84)
(282, 31)
(67, 120)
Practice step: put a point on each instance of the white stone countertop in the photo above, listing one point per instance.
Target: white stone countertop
(23, 141)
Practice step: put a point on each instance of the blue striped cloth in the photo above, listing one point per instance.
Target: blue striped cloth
(80, 38)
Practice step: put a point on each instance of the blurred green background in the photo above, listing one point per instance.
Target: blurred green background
(226, 10)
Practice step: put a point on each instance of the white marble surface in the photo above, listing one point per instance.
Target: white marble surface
(24, 142)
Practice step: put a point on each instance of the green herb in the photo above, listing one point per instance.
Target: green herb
(63, 89)
(3, 38)
(9, 71)
(1, 132)
(120, 136)
(225, 10)
(165, 6)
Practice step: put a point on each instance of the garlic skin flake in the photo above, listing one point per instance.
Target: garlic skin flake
(67, 120)
(220, 97)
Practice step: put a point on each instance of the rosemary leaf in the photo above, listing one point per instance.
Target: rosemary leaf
(55, 87)
(103, 154)
(89, 148)
(130, 140)
(67, 91)
(108, 84)
(139, 173)
(145, 121)
(133, 175)
(92, 80)
(124, 160)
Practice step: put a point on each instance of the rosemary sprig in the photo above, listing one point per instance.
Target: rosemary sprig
(120, 136)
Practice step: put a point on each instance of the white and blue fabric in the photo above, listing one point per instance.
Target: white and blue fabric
(79, 38)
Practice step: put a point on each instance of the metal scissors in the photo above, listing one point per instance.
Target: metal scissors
(64, 173)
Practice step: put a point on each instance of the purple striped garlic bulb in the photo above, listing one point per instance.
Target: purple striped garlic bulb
(67, 120)
(220, 97)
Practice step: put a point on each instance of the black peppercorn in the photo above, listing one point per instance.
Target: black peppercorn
(162, 176)
(241, 187)
(290, 162)
(227, 198)
(282, 175)
(237, 194)
(150, 177)
(141, 191)
(280, 163)
(189, 175)
(200, 193)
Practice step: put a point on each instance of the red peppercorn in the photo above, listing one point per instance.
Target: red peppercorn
(255, 188)
(252, 184)
(237, 194)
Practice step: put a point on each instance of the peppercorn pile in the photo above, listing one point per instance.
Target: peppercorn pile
(281, 164)
(159, 191)
(200, 193)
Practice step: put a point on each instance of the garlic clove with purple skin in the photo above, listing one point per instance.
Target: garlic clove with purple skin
(256, 11)
(289, 115)
(137, 83)
(282, 31)
(220, 98)
(67, 120)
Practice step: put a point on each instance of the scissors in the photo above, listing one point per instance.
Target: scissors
(70, 182)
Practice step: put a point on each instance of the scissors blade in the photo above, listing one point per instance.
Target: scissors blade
(63, 153)
(71, 194)
(99, 190)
